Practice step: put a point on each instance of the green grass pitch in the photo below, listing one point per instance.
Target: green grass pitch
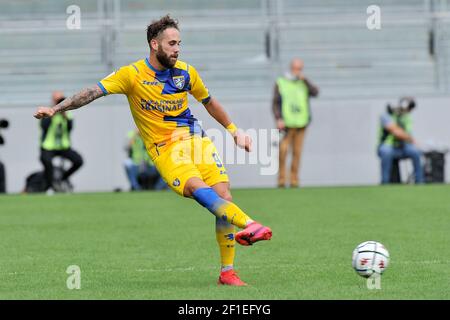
(157, 245)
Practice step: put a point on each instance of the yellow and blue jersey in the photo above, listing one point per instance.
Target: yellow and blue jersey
(159, 99)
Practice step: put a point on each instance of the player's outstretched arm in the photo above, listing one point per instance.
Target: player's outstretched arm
(78, 100)
(216, 110)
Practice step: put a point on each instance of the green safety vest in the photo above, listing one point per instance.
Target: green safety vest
(404, 121)
(58, 136)
(139, 153)
(294, 102)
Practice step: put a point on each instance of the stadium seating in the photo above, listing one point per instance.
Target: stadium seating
(228, 42)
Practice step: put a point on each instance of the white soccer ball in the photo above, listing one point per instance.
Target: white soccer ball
(370, 257)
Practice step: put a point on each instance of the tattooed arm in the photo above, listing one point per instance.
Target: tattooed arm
(78, 100)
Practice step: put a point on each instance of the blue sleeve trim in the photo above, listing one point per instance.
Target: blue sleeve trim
(102, 87)
(206, 100)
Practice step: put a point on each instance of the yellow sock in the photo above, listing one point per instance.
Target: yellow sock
(222, 209)
(231, 213)
(225, 239)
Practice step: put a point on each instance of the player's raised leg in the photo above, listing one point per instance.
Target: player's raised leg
(222, 209)
(228, 211)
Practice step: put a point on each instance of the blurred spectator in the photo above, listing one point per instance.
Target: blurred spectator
(3, 125)
(292, 113)
(141, 172)
(396, 140)
(55, 141)
(2, 178)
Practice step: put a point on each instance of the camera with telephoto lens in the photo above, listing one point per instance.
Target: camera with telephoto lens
(405, 105)
(3, 125)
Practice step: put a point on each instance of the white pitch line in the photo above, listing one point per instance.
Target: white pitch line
(191, 268)
(207, 268)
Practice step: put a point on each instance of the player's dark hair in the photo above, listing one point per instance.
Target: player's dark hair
(157, 27)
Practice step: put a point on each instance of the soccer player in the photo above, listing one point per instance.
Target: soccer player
(157, 88)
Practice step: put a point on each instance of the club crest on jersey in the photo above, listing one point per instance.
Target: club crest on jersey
(178, 81)
(176, 182)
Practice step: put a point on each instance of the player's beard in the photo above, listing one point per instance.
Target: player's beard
(164, 59)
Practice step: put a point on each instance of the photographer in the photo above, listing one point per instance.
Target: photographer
(3, 125)
(55, 141)
(396, 140)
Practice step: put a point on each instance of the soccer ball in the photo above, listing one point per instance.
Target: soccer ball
(369, 258)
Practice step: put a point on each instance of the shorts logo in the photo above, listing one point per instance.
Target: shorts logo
(178, 81)
(176, 182)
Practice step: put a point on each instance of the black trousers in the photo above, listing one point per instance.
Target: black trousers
(70, 154)
(2, 178)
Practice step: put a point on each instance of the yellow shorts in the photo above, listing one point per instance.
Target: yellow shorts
(179, 161)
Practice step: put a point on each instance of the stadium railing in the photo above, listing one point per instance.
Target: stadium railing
(238, 47)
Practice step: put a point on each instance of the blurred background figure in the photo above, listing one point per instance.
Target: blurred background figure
(3, 125)
(141, 172)
(396, 142)
(352, 78)
(55, 141)
(292, 113)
